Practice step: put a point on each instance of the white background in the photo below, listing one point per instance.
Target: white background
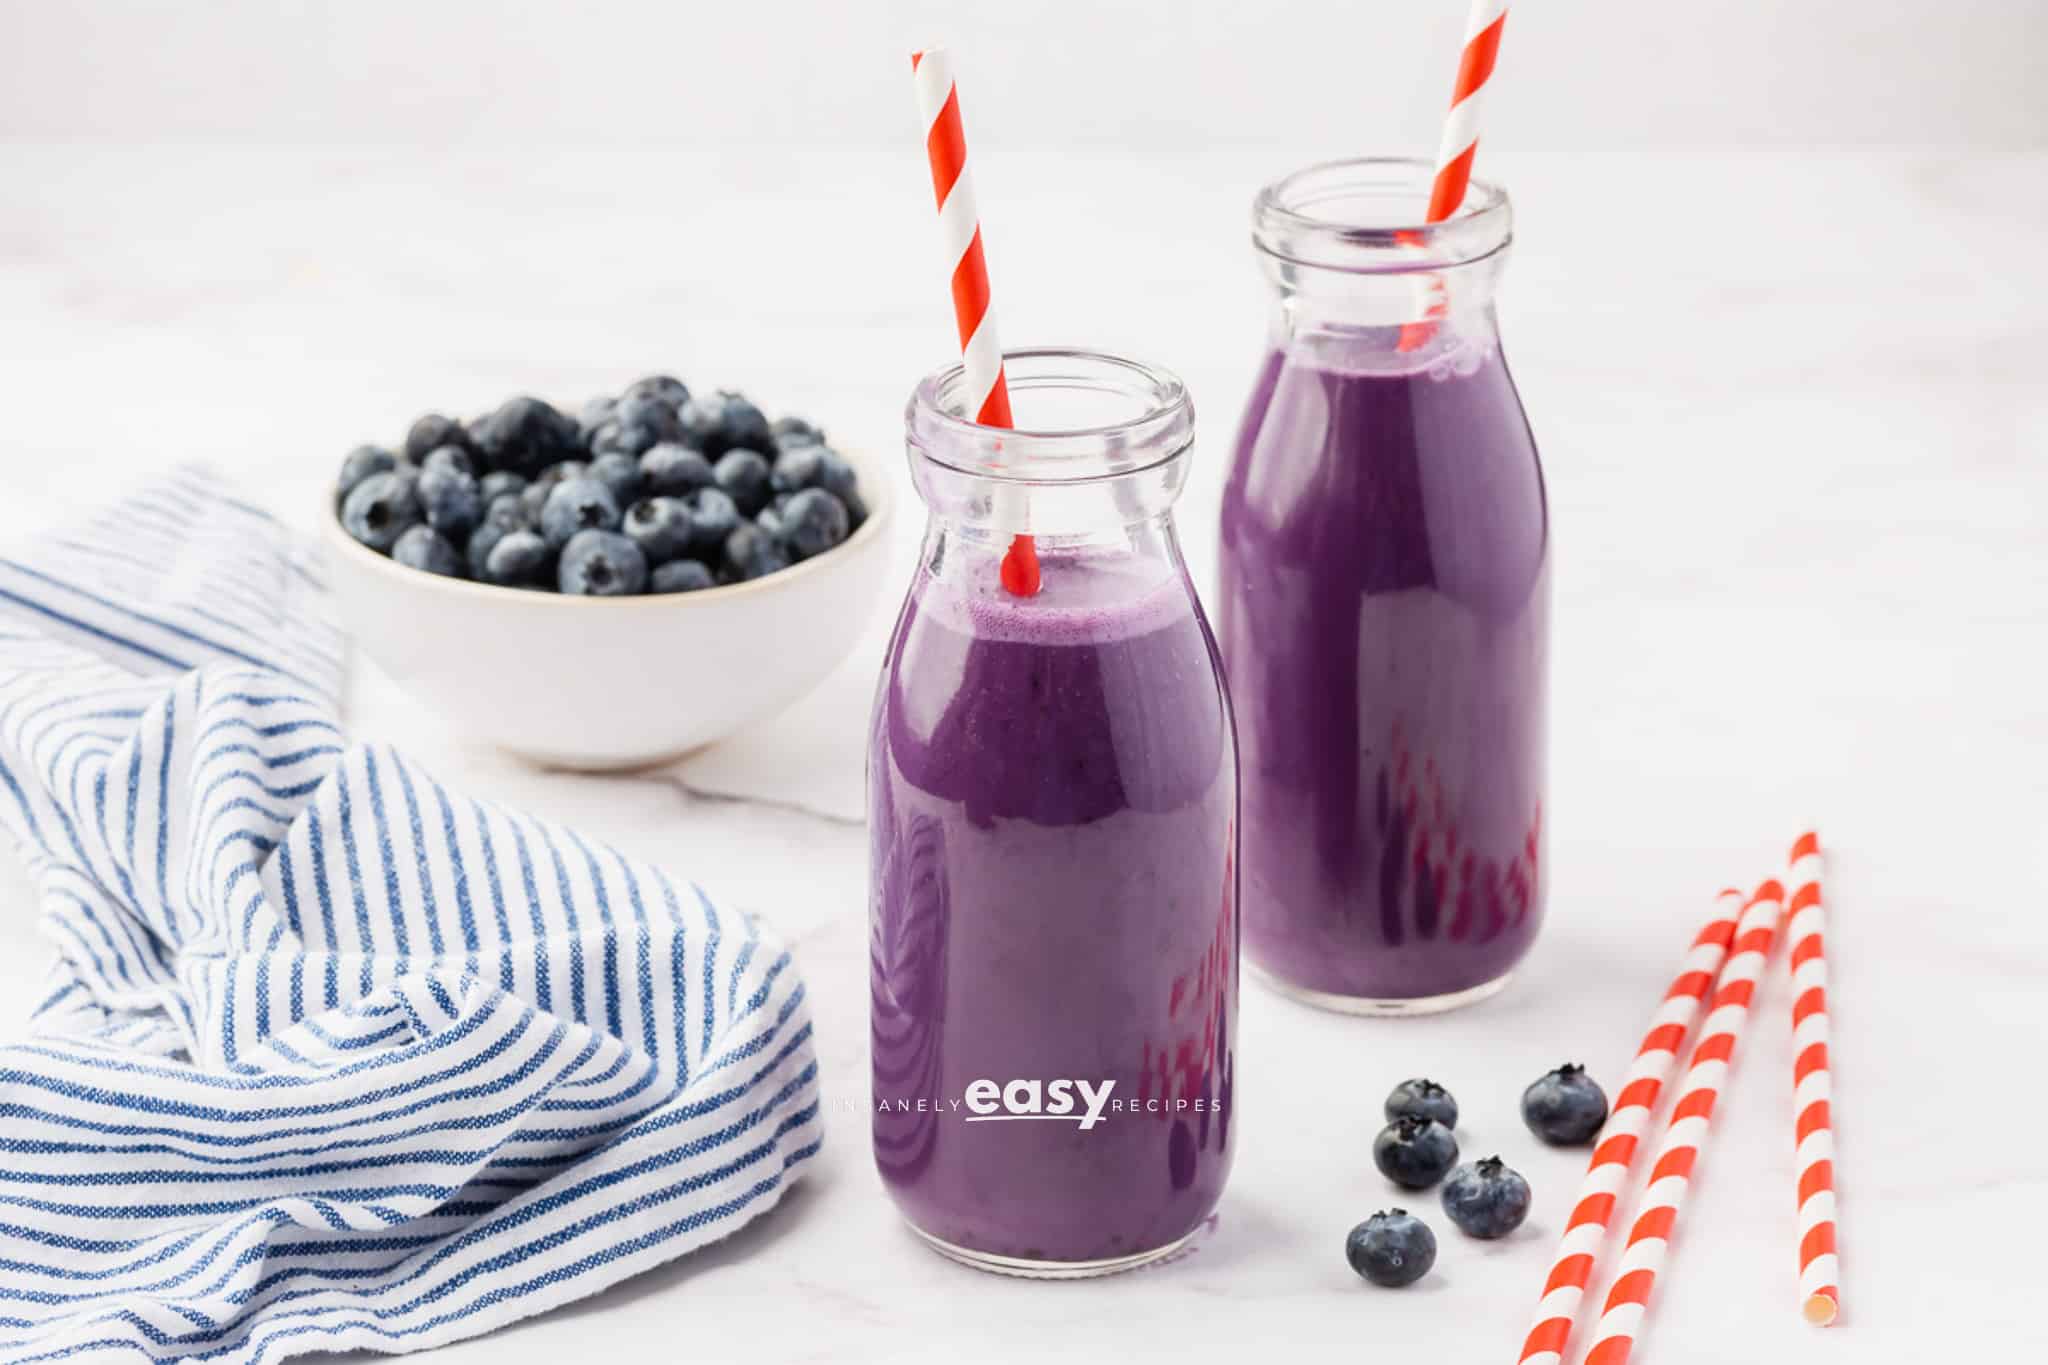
(1776, 309)
(1576, 73)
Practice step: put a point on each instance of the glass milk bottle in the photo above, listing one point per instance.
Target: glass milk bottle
(1052, 799)
(1385, 602)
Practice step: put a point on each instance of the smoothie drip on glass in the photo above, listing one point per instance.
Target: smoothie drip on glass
(1384, 609)
(1052, 795)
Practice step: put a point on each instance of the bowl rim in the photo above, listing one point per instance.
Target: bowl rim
(880, 512)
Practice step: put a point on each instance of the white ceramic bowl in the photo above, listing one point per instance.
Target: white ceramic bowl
(612, 682)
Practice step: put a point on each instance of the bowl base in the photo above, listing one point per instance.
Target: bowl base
(583, 763)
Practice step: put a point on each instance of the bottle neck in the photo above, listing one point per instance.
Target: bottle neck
(1420, 311)
(1350, 257)
(1106, 511)
(970, 552)
(1099, 450)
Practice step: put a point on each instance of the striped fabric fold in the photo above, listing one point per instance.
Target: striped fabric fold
(332, 1056)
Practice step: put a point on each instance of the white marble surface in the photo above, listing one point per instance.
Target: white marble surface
(1797, 442)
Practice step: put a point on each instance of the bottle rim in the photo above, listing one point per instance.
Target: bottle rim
(1363, 215)
(1155, 425)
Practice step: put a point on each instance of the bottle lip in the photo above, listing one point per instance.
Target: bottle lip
(1156, 423)
(1363, 215)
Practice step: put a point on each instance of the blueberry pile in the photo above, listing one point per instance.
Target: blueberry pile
(1484, 1199)
(654, 491)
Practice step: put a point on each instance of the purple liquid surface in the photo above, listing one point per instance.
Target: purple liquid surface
(1384, 623)
(1052, 790)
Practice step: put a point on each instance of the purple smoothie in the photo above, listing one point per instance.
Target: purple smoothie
(1385, 627)
(1051, 793)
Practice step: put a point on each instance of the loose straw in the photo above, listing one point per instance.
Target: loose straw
(1819, 1272)
(1649, 1239)
(1460, 142)
(988, 390)
(1615, 1152)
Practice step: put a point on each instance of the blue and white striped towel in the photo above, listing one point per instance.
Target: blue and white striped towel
(333, 1057)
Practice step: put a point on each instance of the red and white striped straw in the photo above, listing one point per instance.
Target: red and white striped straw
(1812, 1101)
(1461, 126)
(1615, 1151)
(988, 390)
(1460, 142)
(1649, 1238)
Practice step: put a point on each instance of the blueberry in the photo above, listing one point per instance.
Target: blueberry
(1565, 1107)
(638, 423)
(380, 509)
(422, 547)
(593, 415)
(669, 470)
(769, 518)
(652, 413)
(1391, 1248)
(813, 521)
(453, 458)
(660, 527)
(493, 486)
(518, 559)
(713, 517)
(744, 423)
(450, 500)
(681, 575)
(743, 474)
(797, 467)
(1486, 1199)
(1426, 1098)
(790, 432)
(620, 473)
(360, 464)
(664, 387)
(432, 432)
(703, 422)
(614, 438)
(526, 435)
(836, 477)
(597, 563)
(577, 504)
(504, 514)
(1415, 1151)
(535, 494)
(718, 423)
(751, 552)
(532, 499)
(506, 509)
